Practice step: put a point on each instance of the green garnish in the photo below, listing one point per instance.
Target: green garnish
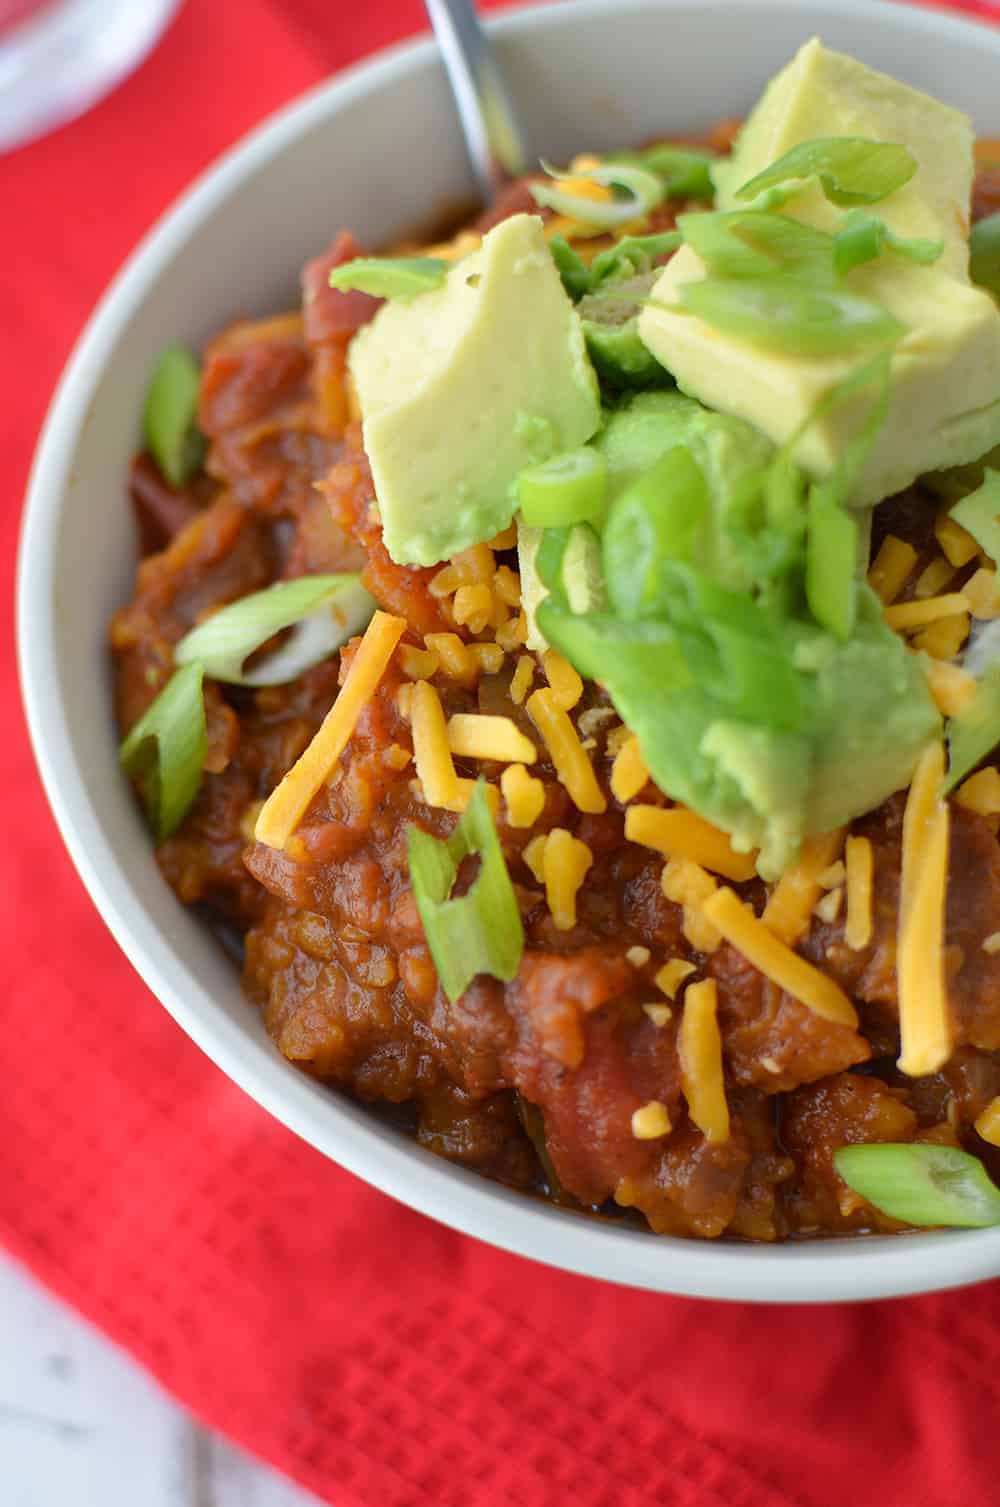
(984, 253)
(851, 169)
(638, 192)
(631, 255)
(170, 418)
(165, 751)
(979, 514)
(567, 489)
(333, 607)
(922, 1185)
(863, 238)
(481, 931)
(831, 563)
(571, 267)
(753, 243)
(686, 171)
(975, 732)
(654, 521)
(400, 277)
(787, 316)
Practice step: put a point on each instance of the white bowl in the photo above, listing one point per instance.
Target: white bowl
(373, 150)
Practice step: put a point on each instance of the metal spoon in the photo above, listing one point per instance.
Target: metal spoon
(494, 137)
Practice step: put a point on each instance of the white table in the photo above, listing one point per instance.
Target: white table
(82, 1426)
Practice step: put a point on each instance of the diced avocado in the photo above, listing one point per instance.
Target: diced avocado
(728, 451)
(580, 576)
(862, 717)
(945, 388)
(826, 93)
(443, 381)
(610, 322)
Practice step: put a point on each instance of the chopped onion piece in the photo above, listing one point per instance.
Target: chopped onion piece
(642, 192)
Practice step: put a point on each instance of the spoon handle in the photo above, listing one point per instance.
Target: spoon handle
(493, 135)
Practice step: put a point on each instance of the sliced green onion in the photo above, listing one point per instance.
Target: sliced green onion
(984, 253)
(851, 169)
(976, 731)
(754, 243)
(632, 254)
(569, 488)
(831, 563)
(170, 419)
(686, 171)
(863, 238)
(481, 931)
(165, 751)
(786, 316)
(549, 557)
(571, 267)
(979, 514)
(326, 610)
(400, 277)
(922, 1185)
(656, 520)
(640, 191)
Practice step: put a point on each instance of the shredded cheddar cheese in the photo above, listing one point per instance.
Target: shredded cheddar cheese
(522, 678)
(489, 657)
(472, 605)
(981, 592)
(572, 766)
(906, 615)
(286, 805)
(511, 635)
(438, 781)
(651, 1121)
(679, 833)
(988, 1123)
(859, 863)
(951, 686)
(980, 792)
(523, 794)
(454, 657)
(473, 736)
(699, 1047)
(924, 1024)
(791, 901)
(765, 951)
(687, 884)
(943, 639)
(673, 973)
(534, 856)
(955, 541)
(418, 664)
(828, 908)
(934, 578)
(565, 862)
(834, 875)
(628, 772)
(567, 687)
(890, 568)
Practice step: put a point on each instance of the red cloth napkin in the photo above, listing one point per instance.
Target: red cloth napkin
(379, 1358)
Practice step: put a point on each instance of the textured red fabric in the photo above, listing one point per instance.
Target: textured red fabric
(382, 1360)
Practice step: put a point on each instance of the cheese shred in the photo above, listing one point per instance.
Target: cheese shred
(791, 902)
(286, 805)
(572, 766)
(988, 1123)
(924, 1022)
(859, 862)
(765, 951)
(699, 1047)
(679, 833)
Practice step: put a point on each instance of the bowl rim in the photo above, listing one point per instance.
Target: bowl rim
(827, 1270)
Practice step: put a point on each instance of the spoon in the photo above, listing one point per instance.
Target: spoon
(494, 138)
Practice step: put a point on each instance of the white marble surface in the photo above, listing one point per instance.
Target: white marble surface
(82, 1426)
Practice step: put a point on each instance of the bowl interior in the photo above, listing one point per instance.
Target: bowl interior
(377, 150)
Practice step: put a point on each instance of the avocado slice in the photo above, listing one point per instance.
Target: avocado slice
(445, 383)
